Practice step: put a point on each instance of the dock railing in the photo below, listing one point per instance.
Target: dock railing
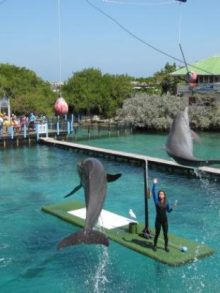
(70, 128)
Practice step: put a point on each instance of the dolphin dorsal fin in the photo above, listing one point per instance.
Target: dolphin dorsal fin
(74, 190)
(113, 177)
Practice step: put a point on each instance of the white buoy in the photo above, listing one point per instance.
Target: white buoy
(183, 248)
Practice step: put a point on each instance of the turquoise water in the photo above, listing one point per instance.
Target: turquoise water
(29, 261)
(153, 145)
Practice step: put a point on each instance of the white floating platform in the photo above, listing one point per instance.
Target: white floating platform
(107, 220)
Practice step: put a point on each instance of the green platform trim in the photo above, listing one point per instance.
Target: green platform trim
(137, 243)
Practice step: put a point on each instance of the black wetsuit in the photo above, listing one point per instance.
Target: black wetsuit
(161, 217)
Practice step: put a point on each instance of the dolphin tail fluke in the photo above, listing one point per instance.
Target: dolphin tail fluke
(113, 177)
(74, 190)
(87, 236)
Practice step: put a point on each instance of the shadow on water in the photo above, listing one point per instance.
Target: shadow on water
(32, 272)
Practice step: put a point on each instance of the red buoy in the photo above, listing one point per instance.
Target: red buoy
(61, 106)
(192, 77)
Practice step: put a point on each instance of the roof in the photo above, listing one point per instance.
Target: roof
(209, 66)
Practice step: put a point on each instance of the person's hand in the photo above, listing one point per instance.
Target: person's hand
(175, 204)
(155, 181)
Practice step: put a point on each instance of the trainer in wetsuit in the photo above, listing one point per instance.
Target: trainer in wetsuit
(162, 207)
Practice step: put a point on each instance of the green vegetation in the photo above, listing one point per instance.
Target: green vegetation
(205, 114)
(91, 92)
(88, 91)
(152, 106)
(151, 112)
(161, 82)
(27, 92)
(167, 82)
(157, 112)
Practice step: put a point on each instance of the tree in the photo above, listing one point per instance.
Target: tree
(151, 112)
(91, 92)
(167, 82)
(26, 90)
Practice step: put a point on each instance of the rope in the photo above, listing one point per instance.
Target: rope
(59, 42)
(180, 23)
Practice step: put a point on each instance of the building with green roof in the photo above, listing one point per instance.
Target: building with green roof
(208, 72)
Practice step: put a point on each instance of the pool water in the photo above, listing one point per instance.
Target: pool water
(208, 147)
(29, 261)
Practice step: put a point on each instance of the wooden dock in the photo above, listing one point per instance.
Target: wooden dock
(61, 131)
(31, 138)
(161, 164)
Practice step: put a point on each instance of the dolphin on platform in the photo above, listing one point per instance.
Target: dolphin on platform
(93, 179)
(179, 143)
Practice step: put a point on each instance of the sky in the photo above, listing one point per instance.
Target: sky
(56, 38)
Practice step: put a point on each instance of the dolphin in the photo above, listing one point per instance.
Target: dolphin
(179, 143)
(93, 179)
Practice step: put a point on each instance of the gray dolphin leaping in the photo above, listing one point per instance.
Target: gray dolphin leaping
(93, 179)
(179, 143)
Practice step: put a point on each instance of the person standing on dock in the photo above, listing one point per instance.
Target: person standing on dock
(32, 119)
(162, 207)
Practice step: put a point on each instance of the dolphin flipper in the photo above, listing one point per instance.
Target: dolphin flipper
(113, 177)
(87, 236)
(74, 190)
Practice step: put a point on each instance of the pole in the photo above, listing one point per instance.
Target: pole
(146, 195)
(79, 119)
(9, 110)
(68, 127)
(72, 122)
(37, 131)
(184, 59)
(25, 130)
(58, 125)
(46, 129)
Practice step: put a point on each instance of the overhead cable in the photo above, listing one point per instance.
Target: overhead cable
(140, 39)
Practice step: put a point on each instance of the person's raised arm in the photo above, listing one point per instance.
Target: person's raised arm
(154, 192)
